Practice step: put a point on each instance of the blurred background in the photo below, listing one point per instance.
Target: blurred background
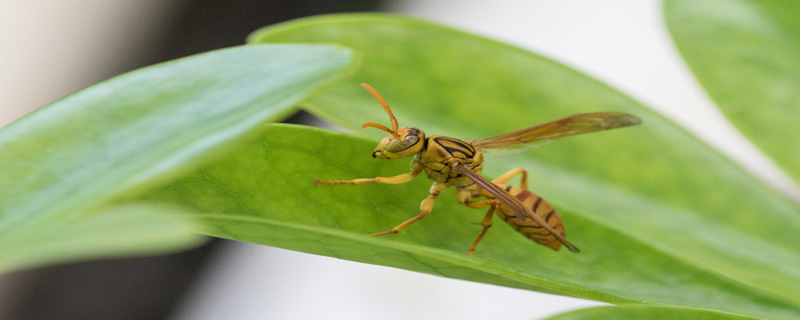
(52, 48)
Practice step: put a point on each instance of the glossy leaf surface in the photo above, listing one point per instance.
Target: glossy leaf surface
(645, 312)
(745, 54)
(65, 162)
(249, 197)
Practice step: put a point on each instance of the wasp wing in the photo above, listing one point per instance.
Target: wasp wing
(521, 211)
(569, 126)
(515, 149)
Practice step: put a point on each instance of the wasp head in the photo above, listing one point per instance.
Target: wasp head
(409, 142)
(401, 143)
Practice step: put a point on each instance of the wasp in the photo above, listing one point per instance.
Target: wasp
(452, 162)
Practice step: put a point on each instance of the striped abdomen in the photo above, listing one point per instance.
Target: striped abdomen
(529, 228)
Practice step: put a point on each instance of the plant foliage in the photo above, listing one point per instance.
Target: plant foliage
(661, 218)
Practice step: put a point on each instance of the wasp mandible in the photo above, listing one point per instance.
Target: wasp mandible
(453, 162)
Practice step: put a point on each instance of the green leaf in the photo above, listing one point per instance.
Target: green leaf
(115, 232)
(67, 160)
(745, 54)
(263, 193)
(659, 215)
(645, 312)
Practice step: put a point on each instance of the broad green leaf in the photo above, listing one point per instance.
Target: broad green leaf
(63, 162)
(263, 193)
(659, 215)
(645, 312)
(746, 54)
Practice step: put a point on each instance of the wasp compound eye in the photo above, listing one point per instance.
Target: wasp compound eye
(400, 145)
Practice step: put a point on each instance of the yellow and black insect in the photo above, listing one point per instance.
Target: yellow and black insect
(453, 162)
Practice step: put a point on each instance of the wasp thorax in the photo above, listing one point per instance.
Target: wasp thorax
(409, 144)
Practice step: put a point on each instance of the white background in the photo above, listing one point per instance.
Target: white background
(50, 47)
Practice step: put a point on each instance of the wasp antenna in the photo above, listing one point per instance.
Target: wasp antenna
(385, 105)
(375, 125)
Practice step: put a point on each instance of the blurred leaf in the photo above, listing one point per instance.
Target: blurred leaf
(118, 231)
(746, 54)
(63, 162)
(645, 312)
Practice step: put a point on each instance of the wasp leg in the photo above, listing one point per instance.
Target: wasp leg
(502, 179)
(486, 223)
(403, 178)
(480, 203)
(425, 208)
